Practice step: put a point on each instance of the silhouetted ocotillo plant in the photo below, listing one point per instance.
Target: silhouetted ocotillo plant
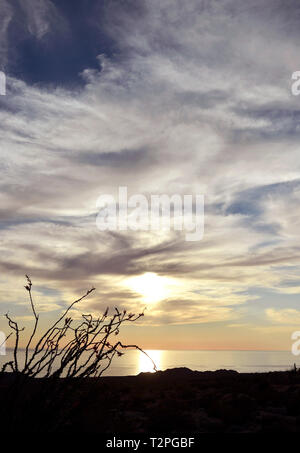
(68, 348)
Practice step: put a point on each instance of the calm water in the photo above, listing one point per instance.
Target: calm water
(134, 362)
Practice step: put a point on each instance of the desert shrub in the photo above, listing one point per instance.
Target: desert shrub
(70, 348)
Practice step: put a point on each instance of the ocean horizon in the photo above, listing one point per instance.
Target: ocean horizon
(134, 362)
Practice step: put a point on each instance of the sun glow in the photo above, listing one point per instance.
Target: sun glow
(145, 365)
(151, 286)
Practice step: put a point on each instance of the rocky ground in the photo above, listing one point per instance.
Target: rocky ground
(174, 401)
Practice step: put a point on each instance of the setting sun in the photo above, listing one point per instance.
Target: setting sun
(145, 364)
(151, 286)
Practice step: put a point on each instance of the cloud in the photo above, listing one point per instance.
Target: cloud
(41, 17)
(6, 17)
(184, 104)
(287, 316)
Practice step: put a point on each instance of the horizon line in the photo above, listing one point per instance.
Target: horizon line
(173, 349)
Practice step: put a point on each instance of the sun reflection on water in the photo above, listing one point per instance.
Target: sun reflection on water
(145, 365)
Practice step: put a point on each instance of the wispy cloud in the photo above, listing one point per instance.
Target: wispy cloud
(284, 316)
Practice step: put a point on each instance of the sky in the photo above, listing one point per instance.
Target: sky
(163, 97)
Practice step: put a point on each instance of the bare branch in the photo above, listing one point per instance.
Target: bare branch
(69, 349)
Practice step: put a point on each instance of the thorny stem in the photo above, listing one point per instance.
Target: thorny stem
(67, 344)
(28, 287)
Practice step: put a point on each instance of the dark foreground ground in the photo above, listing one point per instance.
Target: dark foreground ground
(174, 401)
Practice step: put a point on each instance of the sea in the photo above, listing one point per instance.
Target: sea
(134, 362)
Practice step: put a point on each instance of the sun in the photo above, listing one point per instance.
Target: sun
(151, 286)
(145, 365)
